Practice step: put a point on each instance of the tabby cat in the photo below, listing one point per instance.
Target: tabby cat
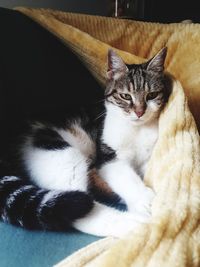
(61, 174)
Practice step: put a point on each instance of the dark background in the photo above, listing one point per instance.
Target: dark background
(80, 6)
(172, 10)
(148, 10)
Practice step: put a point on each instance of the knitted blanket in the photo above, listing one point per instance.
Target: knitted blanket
(173, 236)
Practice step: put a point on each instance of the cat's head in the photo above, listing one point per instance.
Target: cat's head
(138, 90)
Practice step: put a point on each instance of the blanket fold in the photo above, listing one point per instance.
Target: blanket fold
(173, 236)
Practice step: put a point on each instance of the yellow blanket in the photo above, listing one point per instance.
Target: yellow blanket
(173, 236)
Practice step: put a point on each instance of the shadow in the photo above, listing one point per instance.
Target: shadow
(38, 75)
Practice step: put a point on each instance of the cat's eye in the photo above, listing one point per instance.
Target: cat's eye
(152, 95)
(125, 96)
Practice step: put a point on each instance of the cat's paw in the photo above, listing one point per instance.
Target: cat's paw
(143, 203)
(130, 222)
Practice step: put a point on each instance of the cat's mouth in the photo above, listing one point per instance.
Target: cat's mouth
(135, 118)
(141, 120)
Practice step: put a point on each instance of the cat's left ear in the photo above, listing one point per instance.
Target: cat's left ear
(156, 64)
(116, 67)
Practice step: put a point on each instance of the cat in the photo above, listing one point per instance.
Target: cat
(61, 174)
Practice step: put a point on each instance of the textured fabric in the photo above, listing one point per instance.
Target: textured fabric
(173, 236)
(87, 254)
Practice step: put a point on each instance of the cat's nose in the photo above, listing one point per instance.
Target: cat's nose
(139, 113)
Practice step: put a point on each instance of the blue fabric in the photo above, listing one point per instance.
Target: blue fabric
(22, 248)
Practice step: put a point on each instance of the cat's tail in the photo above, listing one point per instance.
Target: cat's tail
(28, 206)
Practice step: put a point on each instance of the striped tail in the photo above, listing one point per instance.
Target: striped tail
(30, 207)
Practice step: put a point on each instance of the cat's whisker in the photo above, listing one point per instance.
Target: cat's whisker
(101, 115)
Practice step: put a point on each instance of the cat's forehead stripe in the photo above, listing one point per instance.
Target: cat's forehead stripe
(130, 87)
(137, 79)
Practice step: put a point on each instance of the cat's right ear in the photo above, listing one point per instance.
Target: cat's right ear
(116, 67)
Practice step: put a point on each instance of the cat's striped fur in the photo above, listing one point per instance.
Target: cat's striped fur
(55, 174)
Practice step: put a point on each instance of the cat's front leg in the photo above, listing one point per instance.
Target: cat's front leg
(106, 221)
(125, 182)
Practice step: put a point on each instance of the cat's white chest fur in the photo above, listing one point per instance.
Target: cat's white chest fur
(132, 143)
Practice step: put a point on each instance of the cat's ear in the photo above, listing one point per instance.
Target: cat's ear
(156, 64)
(116, 67)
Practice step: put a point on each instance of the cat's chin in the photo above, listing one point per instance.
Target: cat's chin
(138, 122)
